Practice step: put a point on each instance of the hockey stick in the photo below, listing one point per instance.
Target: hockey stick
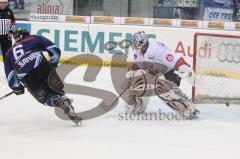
(5, 96)
(119, 96)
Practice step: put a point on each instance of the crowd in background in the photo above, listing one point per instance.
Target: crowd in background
(210, 10)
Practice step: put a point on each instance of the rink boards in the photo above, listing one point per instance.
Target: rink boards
(104, 41)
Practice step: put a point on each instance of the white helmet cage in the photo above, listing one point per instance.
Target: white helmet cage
(139, 40)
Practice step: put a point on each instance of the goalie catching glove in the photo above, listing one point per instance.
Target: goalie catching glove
(186, 73)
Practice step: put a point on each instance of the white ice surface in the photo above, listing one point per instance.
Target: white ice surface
(29, 130)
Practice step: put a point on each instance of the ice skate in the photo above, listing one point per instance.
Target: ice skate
(65, 105)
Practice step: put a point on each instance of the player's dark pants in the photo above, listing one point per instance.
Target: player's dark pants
(43, 83)
(5, 43)
(171, 76)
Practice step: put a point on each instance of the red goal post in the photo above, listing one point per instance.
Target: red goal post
(216, 62)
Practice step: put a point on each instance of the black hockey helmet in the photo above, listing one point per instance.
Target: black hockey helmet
(20, 34)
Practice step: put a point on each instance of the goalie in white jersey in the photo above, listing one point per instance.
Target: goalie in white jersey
(156, 52)
(154, 58)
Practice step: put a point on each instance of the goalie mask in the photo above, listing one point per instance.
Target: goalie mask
(140, 41)
(20, 34)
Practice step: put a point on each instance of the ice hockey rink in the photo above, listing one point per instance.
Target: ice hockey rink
(29, 130)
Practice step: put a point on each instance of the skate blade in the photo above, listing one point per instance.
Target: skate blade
(75, 119)
(196, 111)
(194, 115)
(78, 122)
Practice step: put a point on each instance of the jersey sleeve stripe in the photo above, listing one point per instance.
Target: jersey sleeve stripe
(179, 63)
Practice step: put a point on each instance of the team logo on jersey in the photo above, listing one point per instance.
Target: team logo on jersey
(170, 57)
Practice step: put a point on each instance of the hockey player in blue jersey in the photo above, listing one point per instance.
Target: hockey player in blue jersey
(26, 66)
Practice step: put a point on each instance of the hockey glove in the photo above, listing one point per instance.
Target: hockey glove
(189, 77)
(18, 90)
(9, 36)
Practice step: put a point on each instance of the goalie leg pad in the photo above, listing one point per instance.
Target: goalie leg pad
(126, 83)
(137, 107)
(174, 98)
(134, 104)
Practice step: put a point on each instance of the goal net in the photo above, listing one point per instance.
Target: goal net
(216, 63)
